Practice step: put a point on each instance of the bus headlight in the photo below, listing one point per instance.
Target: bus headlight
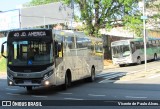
(46, 83)
(10, 82)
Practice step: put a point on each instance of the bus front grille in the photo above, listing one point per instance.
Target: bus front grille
(32, 81)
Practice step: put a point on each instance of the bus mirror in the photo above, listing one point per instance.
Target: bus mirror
(2, 50)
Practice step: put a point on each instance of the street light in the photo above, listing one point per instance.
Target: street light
(72, 6)
(142, 4)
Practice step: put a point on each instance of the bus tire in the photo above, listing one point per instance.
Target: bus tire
(121, 65)
(67, 82)
(29, 88)
(155, 57)
(138, 61)
(92, 78)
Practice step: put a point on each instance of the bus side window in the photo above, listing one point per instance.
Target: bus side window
(147, 45)
(133, 48)
(70, 42)
(141, 45)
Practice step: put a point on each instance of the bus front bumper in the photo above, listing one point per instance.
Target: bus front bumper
(39, 81)
(122, 61)
(30, 82)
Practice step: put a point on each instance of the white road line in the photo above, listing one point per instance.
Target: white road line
(65, 93)
(110, 77)
(96, 95)
(106, 74)
(154, 76)
(12, 94)
(107, 81)
(39, 96)
(72, 99)
(104, 81)
(10, 89)
(135, 97)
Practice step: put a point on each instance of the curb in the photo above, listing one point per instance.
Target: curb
(3, 77)
(140, 74)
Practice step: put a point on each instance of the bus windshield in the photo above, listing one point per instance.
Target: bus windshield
(120, 51)
(30, 52)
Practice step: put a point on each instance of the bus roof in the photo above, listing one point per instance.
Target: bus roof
(27, 29)
(137, 39)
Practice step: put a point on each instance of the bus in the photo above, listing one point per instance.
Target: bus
(132, 51)
(45, 57)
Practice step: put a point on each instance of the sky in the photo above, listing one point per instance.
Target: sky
(6, 5)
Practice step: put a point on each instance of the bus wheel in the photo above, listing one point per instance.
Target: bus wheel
(121, 65)
(67, 82)
(138, 60)
(29, 88)
(92, 78)
(155, 57)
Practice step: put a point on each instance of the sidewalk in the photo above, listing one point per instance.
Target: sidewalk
(108, 64)
(142, 74)
(150, 73)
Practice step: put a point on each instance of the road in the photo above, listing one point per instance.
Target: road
(106, 87)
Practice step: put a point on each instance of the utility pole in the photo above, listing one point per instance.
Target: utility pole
(144, 35)
(44, 21)
(72, 6)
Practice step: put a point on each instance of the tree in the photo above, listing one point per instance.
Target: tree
(98, 14)
(134, 23)
(152, 11)
(38, 2)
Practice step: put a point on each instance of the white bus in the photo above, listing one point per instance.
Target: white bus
(44, 57)
(132, 51)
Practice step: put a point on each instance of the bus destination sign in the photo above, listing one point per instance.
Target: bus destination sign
(30, 33)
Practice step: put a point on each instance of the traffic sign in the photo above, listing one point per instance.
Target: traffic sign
(144, 17)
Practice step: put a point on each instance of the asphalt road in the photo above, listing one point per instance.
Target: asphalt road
(106, 87)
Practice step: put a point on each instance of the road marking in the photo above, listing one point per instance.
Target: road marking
(12, 94)
(110, 77)
(96, 95)
(10, 89)
(65, 93)
(107, 81)
(72, 99)
(106, 74)
(122, 81)
(154, 76)
(135, 97)
(38, 96)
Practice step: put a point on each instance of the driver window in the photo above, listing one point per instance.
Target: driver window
(59, 46)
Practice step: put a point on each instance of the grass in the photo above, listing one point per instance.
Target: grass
(3, 67)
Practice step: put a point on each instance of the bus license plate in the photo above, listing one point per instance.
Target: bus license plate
(27, 81)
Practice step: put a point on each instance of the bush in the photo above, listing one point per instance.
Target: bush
(3, 67)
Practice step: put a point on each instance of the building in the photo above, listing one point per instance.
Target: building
(114, 34)
(42, 15)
